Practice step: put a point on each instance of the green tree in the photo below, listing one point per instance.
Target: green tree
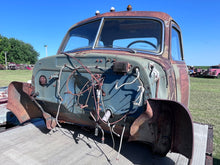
(4, 46)
(17, 51)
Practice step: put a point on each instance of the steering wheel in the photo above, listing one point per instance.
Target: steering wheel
(147, 42)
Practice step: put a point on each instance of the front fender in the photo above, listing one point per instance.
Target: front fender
(20, 102)
(166, 125)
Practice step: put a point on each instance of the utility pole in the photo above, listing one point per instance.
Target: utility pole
(6, 60)
(45, 49)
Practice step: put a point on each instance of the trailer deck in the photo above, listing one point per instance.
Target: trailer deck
(33, 144)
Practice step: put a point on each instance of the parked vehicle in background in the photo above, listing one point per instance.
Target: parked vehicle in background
(213, 71)
(198, 72)
(12, 66)
(191, 71)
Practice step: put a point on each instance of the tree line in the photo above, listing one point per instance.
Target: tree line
(17, 51)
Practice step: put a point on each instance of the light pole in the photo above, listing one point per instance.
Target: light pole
(45, 49)
(6, 60)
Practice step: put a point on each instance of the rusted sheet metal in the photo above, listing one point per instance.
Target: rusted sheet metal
(20, 103)
(50, 121)
(160, 15)
(182, 82)
(144, 117)
(167, 116)
(24, 106)
(182, 126)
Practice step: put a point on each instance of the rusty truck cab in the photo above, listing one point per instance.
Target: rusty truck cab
(118, 70)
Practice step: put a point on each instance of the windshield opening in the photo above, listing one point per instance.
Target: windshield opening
(82, 36)
(138, 34)
(118, 33)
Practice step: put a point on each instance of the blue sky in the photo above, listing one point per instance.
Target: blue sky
(45, 22)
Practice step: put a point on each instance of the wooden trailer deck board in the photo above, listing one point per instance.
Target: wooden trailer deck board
(200, 143)
(33, 144)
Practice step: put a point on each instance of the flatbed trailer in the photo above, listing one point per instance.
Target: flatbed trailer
(32, 143)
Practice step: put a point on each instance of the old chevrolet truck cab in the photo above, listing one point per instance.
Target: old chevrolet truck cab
(121, 72)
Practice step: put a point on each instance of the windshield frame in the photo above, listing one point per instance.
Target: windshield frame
(102, 21)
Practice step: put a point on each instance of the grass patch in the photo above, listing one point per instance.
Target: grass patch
(205, 107)
(7, 76)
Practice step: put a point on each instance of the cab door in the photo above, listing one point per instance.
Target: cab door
(179, 66)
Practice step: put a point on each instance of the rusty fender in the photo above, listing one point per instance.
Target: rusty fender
(166, 125)
(20, 102)
(24, 106)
